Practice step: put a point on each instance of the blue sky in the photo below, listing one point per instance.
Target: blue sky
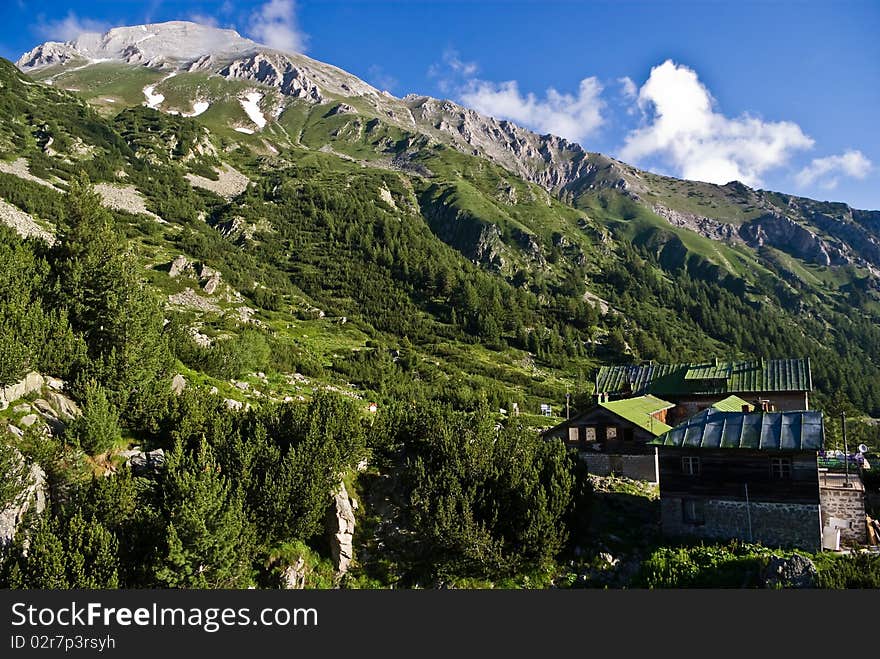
(782, 95)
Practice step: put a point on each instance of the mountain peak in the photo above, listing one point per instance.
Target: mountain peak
(154, 44)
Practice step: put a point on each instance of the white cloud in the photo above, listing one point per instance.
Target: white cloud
(850, 163)
(274, 24)
(569, 116)
(684, 130)
(628, 88)
(451, 69)
(68, 28)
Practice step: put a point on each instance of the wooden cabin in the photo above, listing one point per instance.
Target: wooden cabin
(770, 384)
(752, 476)
(612, 437)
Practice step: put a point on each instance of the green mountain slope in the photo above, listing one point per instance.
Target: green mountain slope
(489, 279)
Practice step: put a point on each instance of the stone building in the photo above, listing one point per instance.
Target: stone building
(751, 476)
(771, 384)
(842, 499)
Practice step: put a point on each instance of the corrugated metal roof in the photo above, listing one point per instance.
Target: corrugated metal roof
(763, 431)
(639, 410)
(677, 379)
(732, 404)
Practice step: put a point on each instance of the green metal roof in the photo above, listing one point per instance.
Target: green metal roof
(732, 404)
(758, 375)
(639, 410)
(764, 431)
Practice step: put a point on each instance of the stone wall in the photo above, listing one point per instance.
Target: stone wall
(772, 524)
(844, 508)
(637, 467)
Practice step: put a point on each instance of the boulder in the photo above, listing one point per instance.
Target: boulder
(211, 279)
(64, 406)
(31, 383)
(178, 384)
(55, 383)
(144, 464)
(33, 498)
(179, 266)
(24, 408)
(340, 523)
(29, 420)
(293, 577)
(793, 572)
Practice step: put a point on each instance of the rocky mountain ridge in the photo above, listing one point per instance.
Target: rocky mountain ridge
(816, 232)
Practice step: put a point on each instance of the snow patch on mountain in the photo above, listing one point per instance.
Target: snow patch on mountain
(251, 105)
(198, 108)
(153, 100)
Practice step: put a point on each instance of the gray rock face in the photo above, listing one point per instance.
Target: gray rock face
(340, 523)
(275, 70)
(180, 266)
(178, 384)
(783, 232)
(795, 572)
(33, 498)
(31, 383)
(293, 577)
(64, 407)
(702, 225)
(146, 463)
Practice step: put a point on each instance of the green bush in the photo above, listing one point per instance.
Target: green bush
(733, 565)
(852, 571)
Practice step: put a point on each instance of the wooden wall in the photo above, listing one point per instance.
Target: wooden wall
(724, 472)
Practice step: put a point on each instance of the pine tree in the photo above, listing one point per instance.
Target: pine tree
(208, 539)
(97, 429)
(99, 283)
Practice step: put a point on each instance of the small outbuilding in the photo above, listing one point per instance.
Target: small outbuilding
(612, 436)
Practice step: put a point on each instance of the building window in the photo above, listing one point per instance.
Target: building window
(780, 468)
(693, 511)
(690, 465)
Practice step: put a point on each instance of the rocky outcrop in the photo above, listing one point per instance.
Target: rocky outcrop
(33, 498)
(340, 523)
(293, 577)
(209, 278)
(31, 383)
(784, 233)
(274, 70)
(180, 266)
(700, 224)
(192, 300)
